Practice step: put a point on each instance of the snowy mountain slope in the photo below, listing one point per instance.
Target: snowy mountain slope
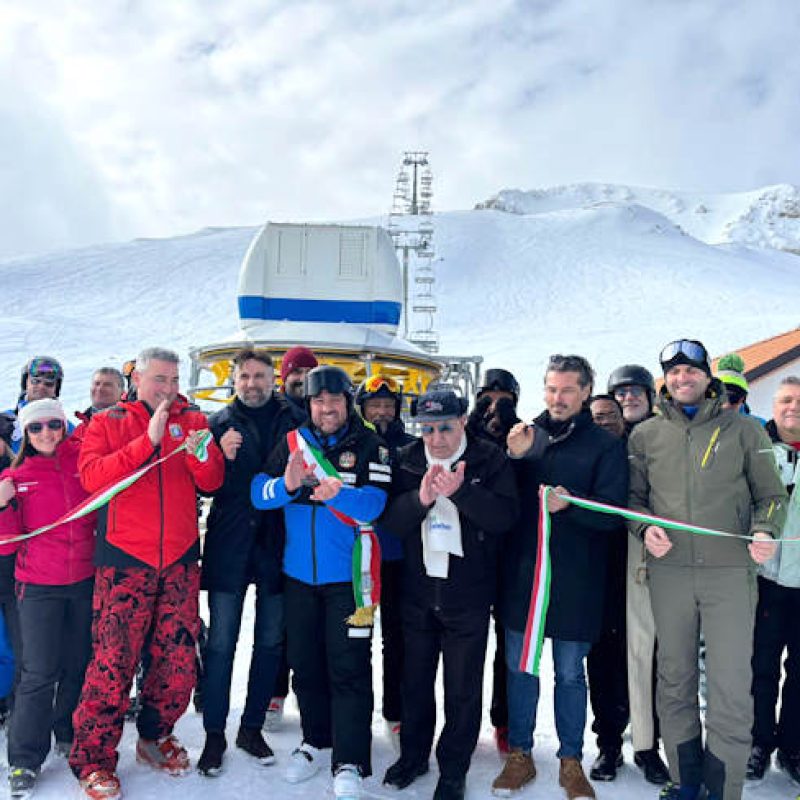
(611, 281)
(768, 217)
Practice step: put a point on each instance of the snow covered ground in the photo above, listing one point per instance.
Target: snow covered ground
(244, 779)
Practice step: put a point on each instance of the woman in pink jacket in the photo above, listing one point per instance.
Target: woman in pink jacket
(55, 576)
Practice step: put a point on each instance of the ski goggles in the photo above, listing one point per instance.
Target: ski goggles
(378, 382)
(44, 367)
(51, 425)
(690, 349)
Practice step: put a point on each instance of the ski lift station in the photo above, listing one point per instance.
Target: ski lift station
(338, 290)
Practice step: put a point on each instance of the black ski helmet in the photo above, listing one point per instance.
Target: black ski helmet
(331, 379)
(43, 367)
(500, 380)
(632, 375)
(379, 386)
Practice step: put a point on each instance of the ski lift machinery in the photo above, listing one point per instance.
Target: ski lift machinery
(338, 290)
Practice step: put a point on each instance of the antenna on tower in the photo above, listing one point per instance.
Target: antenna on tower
(411, 228)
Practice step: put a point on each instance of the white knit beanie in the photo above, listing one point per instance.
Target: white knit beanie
(41, 411)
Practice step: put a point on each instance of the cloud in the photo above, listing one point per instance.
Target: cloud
(167, 117)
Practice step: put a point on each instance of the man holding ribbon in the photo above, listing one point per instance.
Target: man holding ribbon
(147, 579)
(563, 448)
(330, 481)
(698, 464)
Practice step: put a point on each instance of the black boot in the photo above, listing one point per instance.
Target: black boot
(757, 763)
(451, 788)
(790, 764)
(252, 741)
(403, 773)
(210, 763)
(650, 763)
(605, 767)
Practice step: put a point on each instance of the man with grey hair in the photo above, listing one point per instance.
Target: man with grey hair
(105, 391)
(147, 580)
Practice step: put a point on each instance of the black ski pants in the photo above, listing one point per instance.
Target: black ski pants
(56, 624)
(459, 636)
(332, 671)
(777, 631)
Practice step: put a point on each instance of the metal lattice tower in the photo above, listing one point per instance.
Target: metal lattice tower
(411, 229)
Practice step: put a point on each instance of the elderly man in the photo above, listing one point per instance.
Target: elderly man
(777, 629)
(329, 480)
(147, 580)
(698, 464)
(453, 498)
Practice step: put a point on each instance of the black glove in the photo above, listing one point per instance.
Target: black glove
(6, 428)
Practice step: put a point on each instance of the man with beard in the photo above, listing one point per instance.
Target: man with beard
(242, 546)
(379, 399)
(494, 415)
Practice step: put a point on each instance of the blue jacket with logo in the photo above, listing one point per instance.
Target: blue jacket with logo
(319, 547)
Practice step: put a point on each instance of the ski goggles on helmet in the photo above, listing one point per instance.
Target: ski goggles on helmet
(377, 382)
(690, 349)
(45, 368)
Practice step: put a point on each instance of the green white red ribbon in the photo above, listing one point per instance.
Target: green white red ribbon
(99, 499)
(366, 550)
(533, 639)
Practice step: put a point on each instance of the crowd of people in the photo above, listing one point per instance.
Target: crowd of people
(303, 476)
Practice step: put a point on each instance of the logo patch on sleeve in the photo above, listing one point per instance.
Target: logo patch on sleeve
(347, 460)
(383, 454)
(175, 431)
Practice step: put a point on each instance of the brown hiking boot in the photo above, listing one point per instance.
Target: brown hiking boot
(571, 777)
(518, 771)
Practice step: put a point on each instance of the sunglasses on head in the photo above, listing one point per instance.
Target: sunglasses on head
(36, 381)
(51, 424)
(442, 427)
(633, 391)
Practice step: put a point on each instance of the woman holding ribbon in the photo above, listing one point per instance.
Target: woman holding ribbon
(55, 577)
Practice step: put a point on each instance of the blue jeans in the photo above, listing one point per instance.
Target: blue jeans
(223, 632)
(569, 701)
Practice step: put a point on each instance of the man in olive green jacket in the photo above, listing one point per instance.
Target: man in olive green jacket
(696, 463)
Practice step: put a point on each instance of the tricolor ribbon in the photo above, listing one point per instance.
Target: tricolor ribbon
(366, 549)
(533, 639)
(100, 498)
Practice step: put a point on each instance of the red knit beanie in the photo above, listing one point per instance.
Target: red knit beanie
(296, 358)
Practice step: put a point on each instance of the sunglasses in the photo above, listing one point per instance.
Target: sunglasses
(442, 427)
(51, 425)
(633, 391)
(49, 382)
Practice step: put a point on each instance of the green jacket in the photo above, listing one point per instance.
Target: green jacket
(716, 471)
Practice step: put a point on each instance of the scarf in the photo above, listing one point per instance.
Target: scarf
(441, 528)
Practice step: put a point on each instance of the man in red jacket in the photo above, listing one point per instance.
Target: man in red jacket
(147, 579)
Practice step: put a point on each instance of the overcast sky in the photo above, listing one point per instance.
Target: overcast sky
(134, 118)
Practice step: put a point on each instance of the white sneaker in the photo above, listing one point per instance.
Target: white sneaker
(274, 719)
(304, 763)
(347, 782)
(393, 734)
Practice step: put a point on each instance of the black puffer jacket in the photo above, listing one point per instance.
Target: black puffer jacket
(588, 462)
(243, 544)
(487, 506)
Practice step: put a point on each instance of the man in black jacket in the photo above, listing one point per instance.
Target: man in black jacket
(564, 449)
(242, 546)
(453, 496)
